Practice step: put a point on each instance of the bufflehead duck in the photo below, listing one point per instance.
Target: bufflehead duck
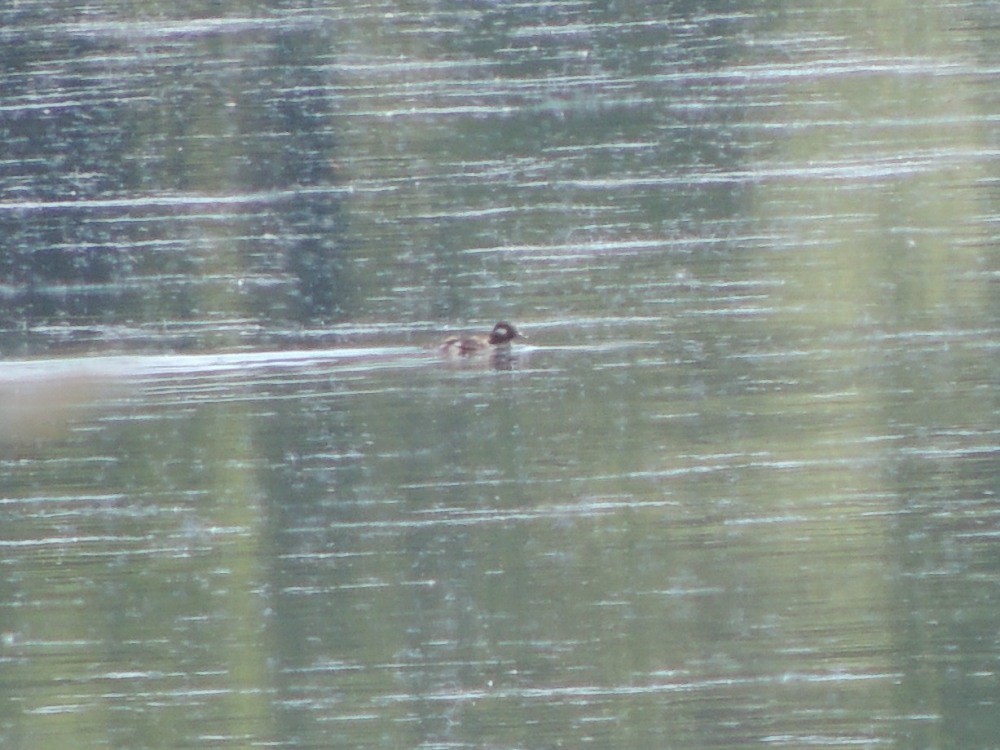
(498, 340)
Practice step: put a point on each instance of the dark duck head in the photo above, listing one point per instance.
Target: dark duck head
(503, 333)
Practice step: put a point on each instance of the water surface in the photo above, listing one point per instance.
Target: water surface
(739, 487)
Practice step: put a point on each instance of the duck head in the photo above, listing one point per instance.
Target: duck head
(503, 333)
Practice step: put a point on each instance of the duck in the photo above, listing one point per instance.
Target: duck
(498, 341)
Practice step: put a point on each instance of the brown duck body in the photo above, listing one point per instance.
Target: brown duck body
(498, 340)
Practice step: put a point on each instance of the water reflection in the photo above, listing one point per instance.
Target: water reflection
(739, 489)
(41, 405)
(152, 161)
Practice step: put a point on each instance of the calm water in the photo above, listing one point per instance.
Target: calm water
(739, 489)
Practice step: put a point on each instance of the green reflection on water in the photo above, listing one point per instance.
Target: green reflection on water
(741, 491)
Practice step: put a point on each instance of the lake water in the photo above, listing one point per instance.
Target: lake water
(739, 487)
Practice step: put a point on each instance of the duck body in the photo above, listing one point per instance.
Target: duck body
(498, 340)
